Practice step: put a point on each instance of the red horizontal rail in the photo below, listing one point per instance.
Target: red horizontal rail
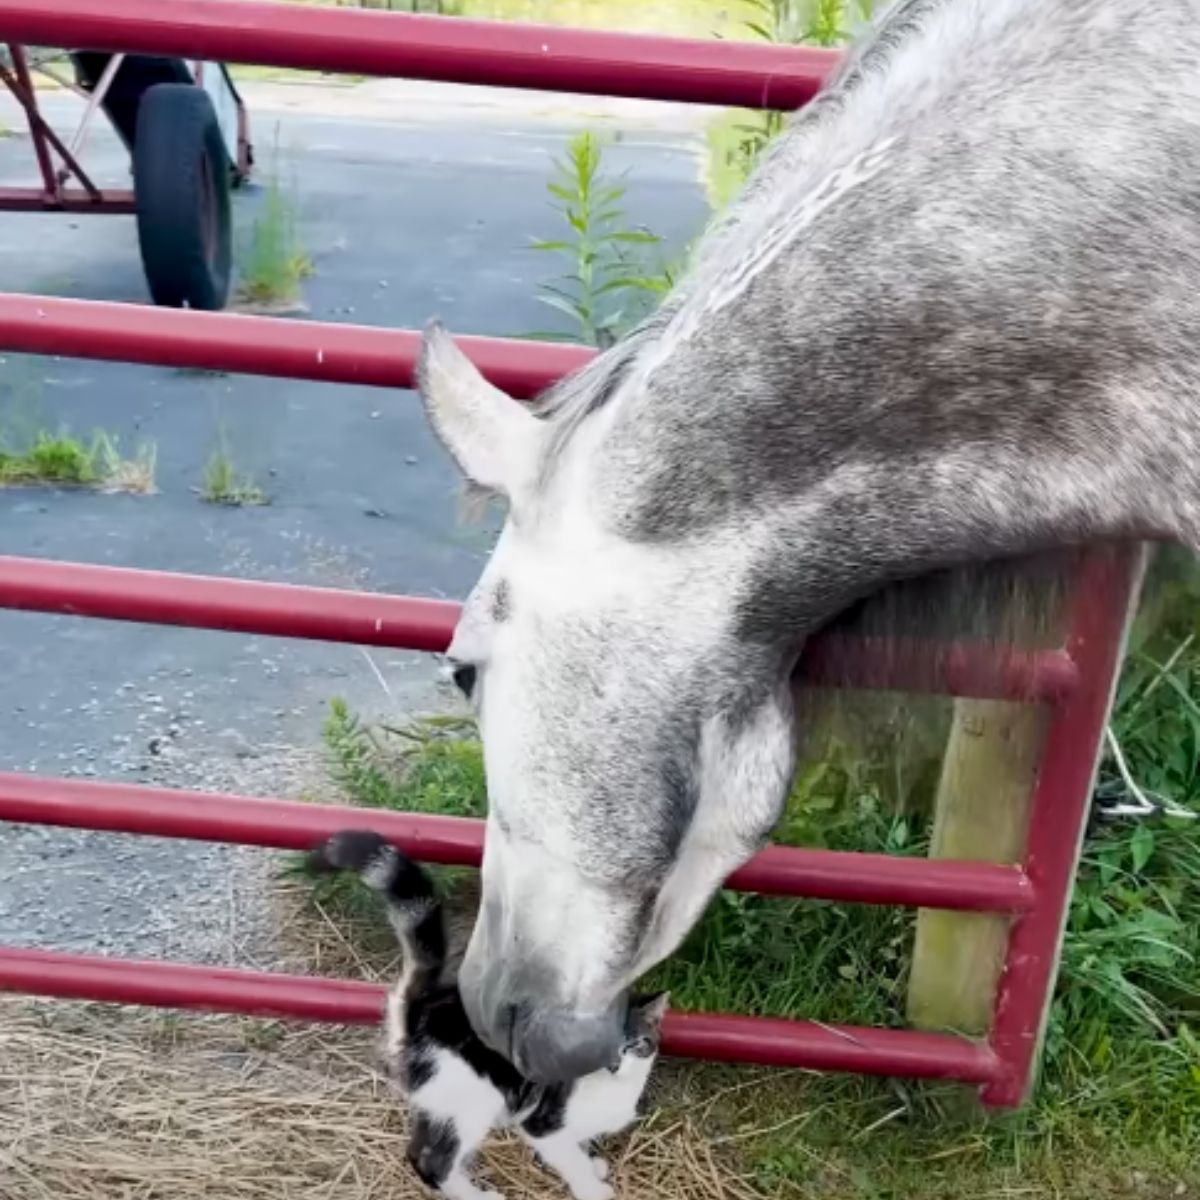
(543, 57)
(807, 1045)
(73, 200)
(765, 1040)
(290, 825)
(979, 670)
(410, 623)
(319, 350)
(177, 985)
(860, 878)
(238, 605)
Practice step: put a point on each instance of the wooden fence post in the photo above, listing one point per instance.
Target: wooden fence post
(982, 812)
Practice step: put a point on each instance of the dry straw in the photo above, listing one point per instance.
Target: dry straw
(121, 1104)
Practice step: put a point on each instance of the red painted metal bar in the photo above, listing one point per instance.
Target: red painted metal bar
(517, 56)
(746, 74)
(289, 825)
(178, 985)
(402, 622)
(775, 1042)
(240, 605)
(317, 350)
(951, 668)
(764, 1040)
(44, 137)
(1105, 593)
(19, 84)
(71, 200)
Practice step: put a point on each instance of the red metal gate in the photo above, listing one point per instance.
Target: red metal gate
(1077, 680)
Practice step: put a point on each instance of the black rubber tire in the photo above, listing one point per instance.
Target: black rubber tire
(181, 190)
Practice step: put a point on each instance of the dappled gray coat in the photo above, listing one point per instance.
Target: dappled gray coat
(954, 317)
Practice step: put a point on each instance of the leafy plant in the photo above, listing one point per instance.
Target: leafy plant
(737, 138)
(425, 766)
(826, 23)
(608, 285)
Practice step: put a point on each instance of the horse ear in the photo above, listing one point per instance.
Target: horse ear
(493, 438)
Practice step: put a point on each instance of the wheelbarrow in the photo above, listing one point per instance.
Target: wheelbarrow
(188, 136)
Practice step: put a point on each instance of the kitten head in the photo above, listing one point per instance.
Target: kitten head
(643, 1027)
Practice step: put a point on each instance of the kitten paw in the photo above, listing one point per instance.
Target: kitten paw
(491, 1195)
(600, 1166)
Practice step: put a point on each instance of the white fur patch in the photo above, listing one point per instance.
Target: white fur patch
(378, 873)
(600, 1104)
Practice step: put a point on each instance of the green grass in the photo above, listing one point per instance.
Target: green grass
(60, 459)
(224, 484)
(50, 458)
(844, 1138)
(35, 451)
(273, 261)
(427, 766)
(1117, 1111)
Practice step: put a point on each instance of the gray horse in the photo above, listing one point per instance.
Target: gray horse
(954, 317)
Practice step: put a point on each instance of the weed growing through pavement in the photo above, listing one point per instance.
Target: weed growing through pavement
(224, 483)
(274, 262)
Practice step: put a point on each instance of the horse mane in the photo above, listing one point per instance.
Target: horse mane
(565, 405)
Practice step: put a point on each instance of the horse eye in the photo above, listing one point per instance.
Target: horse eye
(464, 679)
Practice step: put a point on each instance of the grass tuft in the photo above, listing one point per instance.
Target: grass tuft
(225, 484)
(274, 261)
(62, 460)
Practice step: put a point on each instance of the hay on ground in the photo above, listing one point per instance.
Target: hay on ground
(104, 1103)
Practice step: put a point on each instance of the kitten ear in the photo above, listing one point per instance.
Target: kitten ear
(651, 1009)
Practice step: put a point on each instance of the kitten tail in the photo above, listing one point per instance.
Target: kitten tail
(413, 909)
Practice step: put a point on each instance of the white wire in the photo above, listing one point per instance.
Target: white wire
(1145, 806)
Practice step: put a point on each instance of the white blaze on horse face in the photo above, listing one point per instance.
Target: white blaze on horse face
(617, 802)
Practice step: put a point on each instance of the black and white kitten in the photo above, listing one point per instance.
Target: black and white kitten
(458, 1088)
